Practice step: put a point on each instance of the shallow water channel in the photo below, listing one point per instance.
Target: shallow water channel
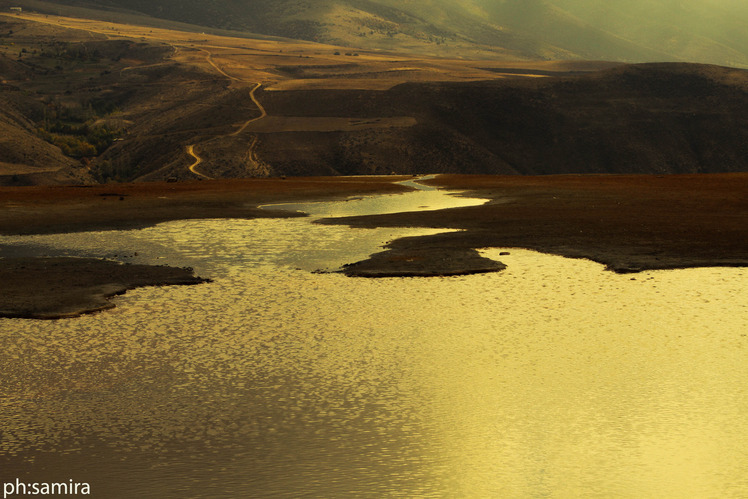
(553, 378)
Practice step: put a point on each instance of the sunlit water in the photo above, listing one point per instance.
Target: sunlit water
(553, 378)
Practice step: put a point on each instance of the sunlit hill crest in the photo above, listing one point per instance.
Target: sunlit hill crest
(708, 31)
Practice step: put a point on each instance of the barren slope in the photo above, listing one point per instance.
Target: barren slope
(181, 105)
(633, 31)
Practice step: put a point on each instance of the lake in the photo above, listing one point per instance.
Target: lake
(552, 378)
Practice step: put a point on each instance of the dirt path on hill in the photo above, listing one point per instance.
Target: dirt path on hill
(198, 160)
(263, 113)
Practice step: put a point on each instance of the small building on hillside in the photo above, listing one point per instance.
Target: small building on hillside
(16, 9)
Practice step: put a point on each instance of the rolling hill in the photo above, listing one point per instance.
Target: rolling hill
(93, 101)
(635, 31)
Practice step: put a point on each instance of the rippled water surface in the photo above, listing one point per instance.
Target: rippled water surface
(553, 378)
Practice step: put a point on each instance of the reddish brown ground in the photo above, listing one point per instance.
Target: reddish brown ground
(629, 222)
(50, 288)
(50, 209)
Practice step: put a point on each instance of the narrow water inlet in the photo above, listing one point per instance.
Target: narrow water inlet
(423, 198)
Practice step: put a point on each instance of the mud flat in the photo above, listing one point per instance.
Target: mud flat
(628, 222)
(59, 209)
(54, 288)
(423, 262)
(51, 288)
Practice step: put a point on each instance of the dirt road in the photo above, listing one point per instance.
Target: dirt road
(263, 113)
(198, 160)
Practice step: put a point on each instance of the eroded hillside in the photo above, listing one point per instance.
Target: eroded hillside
(88, 101)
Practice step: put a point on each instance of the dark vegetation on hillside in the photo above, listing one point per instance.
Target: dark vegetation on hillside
(62, 101)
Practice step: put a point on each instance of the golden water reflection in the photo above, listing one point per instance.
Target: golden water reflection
(553, 378)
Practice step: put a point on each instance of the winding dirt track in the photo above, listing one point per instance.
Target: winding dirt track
(263, 113)
(198, 160)
(190, 149)
(177, 47)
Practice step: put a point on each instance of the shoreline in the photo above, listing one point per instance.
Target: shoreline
(629, 223)
(60, 287)
(60, 209)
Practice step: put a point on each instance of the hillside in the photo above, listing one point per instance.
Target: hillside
(652, 118)
(23, 154)
(634, 31)
(87, 101)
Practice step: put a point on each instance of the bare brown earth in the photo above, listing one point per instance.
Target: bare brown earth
(190, 105)
(54, 288)
(58, 209)
(628, 222)
(549, 29)
(50, 288)
(652, 118)
(259, 107)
